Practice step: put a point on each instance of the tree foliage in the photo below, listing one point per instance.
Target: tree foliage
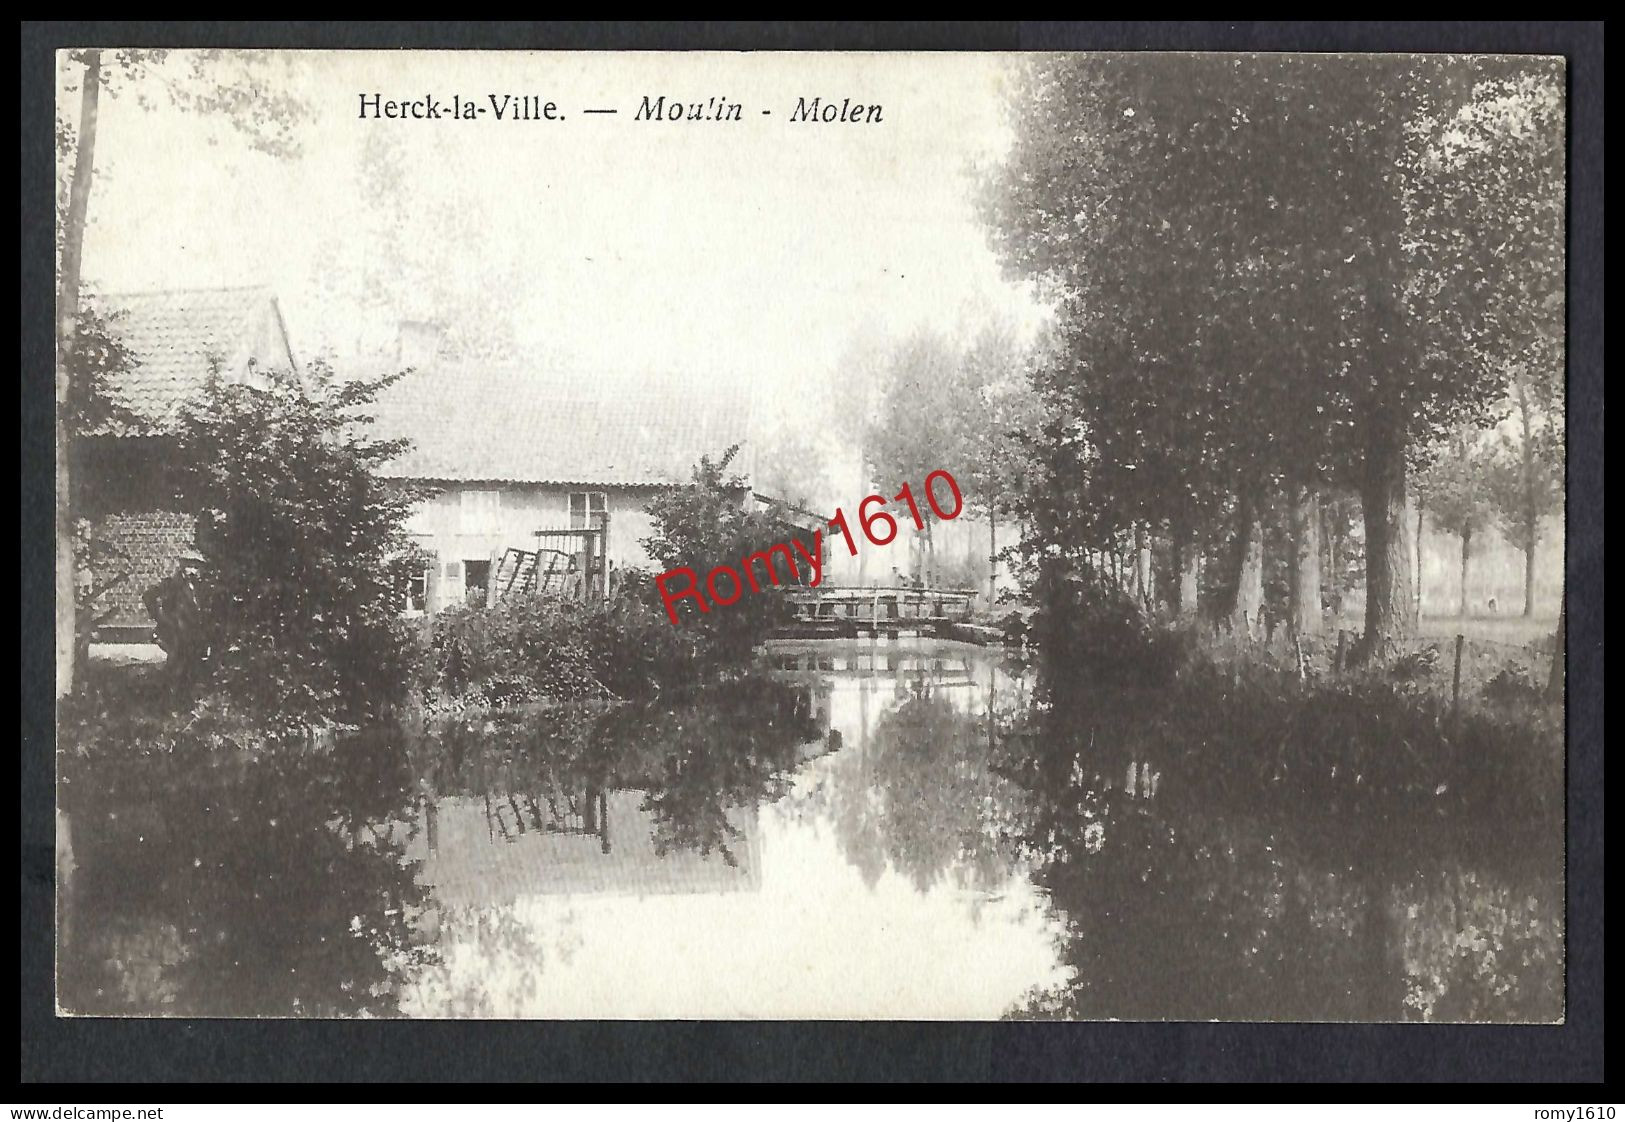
(793, 465)
(1005, 411)
(99, 359)
(1455, 491)
(1280, 269)
(964, 406)
(920, 426)
(305, 549)
(1455, 486)
(705, 523)
(248, 90)
(1526, 469)
(390, 266)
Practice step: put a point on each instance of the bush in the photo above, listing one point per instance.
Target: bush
(1415, 666)
(1512, 686)
(1358, 748)
(550, 648)
(305, 551)
(705, 523)
(1096, 628)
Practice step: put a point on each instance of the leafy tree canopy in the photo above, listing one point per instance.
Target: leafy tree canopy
(305, 547)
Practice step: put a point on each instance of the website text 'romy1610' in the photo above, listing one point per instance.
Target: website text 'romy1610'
(878, 525)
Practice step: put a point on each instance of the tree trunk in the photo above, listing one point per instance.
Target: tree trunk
(67, 328)
(1555, 683)
(1190, 559)
(1331, 552)
(992, 560)
(1328, 554)
(1531, 511)
(1247, 590)
(1303, 600)
(863, 489)
(1529, 572)
(1389, 606)
(1466, 551)
(1419, 512)
(1250, 592)
(1142, 565)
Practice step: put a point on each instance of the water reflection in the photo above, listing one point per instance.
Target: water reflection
(263, 888)
(914, 792)
(1187, 898)
(879, 830)
(823, 847)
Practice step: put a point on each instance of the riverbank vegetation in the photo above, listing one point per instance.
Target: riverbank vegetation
(525, 649)
(289, 621)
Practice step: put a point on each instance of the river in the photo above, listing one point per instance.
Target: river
(854, 837)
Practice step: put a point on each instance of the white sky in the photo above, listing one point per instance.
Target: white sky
(732, 253)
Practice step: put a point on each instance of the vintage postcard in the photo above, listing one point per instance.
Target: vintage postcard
(837, 535)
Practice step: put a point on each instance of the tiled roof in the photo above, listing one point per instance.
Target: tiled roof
(479, 423)
(179, 337)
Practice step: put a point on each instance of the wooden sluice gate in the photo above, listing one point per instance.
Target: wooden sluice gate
(833, 612)
(569, 563)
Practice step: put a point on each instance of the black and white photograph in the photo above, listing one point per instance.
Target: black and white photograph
(832, 536)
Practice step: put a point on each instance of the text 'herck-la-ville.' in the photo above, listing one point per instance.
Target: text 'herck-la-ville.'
(533, 107)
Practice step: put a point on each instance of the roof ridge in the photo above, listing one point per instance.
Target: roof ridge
(266, 288)
(543, 378)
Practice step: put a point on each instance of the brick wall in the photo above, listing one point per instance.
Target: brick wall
(154, 541)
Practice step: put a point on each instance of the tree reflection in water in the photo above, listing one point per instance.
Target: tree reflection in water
(585, 803)
(288, 883)
(913, 789)
(256, 887)
(1183, 898)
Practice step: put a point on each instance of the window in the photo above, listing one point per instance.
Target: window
(587, 509)
(477, 581)
(480, 512)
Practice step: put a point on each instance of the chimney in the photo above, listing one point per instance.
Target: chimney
(417, 342)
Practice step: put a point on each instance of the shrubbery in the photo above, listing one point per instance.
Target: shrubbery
(1243, 723)
(705, 523)
(531, 648)
(1243, 733)
(1095, 628)
(305, 552)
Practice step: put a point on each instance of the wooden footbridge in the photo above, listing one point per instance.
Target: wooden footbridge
(836, 612)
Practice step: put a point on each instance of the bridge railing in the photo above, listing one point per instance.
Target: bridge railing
(881, 606)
